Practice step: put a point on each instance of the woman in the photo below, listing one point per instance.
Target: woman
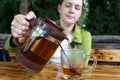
(70, 12)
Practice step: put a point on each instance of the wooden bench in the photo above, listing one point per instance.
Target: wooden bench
(106, 56)
(106, 48)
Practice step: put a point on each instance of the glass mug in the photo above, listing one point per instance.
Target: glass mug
(73, 63)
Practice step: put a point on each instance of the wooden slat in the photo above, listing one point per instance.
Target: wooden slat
(107, 55)
(106, 45)
(106, 38)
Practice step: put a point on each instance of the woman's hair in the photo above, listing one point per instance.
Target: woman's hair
(60, 2)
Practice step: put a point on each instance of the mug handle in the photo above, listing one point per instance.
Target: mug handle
(93, 65)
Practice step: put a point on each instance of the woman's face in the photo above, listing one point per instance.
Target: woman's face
(70, 10)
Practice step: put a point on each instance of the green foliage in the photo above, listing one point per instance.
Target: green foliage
(103, 17)
(8, 8)
(45, 8)
(84, 13)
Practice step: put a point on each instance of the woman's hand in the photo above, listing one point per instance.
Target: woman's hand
(20, 26)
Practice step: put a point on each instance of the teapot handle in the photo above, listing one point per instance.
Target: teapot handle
(32, 22)
(93, 65)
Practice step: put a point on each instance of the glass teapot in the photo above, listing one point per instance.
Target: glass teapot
(41, 42)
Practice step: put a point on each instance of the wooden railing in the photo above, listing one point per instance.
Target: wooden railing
(3, 38)
(106, 42)
(98, 42)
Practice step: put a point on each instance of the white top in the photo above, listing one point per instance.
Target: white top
(56, 56)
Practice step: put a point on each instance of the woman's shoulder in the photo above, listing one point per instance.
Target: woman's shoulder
(81, 31)
(86, 35)
(85, 32)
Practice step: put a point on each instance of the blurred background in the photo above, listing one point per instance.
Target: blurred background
(100, 17)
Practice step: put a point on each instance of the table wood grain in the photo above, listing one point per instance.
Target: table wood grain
(14, 71)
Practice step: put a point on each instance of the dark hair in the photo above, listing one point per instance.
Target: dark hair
(60, 2)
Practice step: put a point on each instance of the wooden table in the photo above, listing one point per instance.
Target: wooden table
(13, 71)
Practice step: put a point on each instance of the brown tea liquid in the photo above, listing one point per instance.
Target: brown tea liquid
(72, 72)
(40, 51)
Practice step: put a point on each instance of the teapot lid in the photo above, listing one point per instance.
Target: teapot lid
(52, 29)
